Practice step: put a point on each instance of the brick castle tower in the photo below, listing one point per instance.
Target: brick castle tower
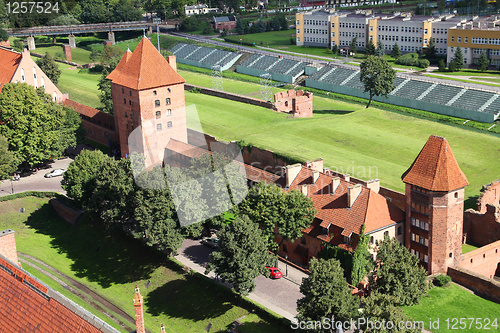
(148, 95)
(435, 206)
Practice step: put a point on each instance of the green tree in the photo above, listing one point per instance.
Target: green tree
(377, 77)
(94, 55)
(430, 51)
(240, 26)
(8, 163)
(4, 36)
(483, 62)
(353, 46)
(398, 273)
(48, 65)
(335, 49)
(380, 49)
(278, 213)
(326, 294)
(124, 11)
(66, 19)
(111, 54)
(381, 308)
(370, 48)
(36, 128)
(242, 255)
(441, 65)
(104, 86)
(94, 11)
(362, 262)
(155, 219)
(396, 52)
(458, 59)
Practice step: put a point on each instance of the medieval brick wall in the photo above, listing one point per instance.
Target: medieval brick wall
(67, 213)
(483, 286)
(481, 229)
(8, 245)
(297, 102)
(484, 260)
(231, 96)
(490, 194)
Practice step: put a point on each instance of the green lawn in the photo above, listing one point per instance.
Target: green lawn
(80, 84)
(454, 302)
(366, 143)
(112, 266)
(467, 248)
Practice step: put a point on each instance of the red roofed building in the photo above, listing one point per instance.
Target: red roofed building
(27, 305)
(19, 67)
(343, 208)
(148, 101)
(434, 206)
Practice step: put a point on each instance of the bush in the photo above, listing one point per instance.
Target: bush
(410, 59)
(423, 63)
(441, 280)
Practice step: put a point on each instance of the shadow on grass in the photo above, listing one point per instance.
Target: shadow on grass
(199, 254)
(96, 256)
(337, 112)
(471, 202)
(187, 299)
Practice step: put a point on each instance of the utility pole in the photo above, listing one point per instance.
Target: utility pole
(157, 21)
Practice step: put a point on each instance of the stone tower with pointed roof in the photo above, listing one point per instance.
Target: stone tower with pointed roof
(434, 206)
(148, 92)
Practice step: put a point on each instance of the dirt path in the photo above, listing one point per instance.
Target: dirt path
(82, 291)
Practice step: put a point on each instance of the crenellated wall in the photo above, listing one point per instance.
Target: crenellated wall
(297, 102)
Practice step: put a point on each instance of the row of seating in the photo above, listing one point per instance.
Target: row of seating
(473, 99)
(275, 65)
(204, 55)
(413, 89)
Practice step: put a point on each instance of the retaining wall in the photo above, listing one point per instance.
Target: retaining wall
(481, 285)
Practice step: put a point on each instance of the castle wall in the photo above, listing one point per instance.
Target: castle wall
(490, 194)
(481, 285)
(483, 260)
(299, 103)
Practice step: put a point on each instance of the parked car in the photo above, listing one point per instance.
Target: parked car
(212, 242)
(54, 173)
(275, 273)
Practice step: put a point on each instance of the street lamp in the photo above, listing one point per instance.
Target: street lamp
(286, 265)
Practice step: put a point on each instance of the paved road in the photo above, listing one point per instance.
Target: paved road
(279, 295)
(36, 181)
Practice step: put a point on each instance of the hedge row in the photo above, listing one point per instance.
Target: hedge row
(30, 194)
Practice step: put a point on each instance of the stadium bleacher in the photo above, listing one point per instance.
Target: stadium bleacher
(205, 57)
(442, 94)
(413, 89)
(280, 69)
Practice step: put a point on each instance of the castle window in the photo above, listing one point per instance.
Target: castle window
(158, 127)
(168, 90)
(471, 261)
(426, 258)
(157, 102)
(285, 249)
(130, 93)
(371, 240)
(167, 101)
(400, 230)
(22, 74)
(123, 91)
(303, 240)
(126, 116)
(386, 234)
(158, 114)
(456, 194)
(451, 255)
(130, 102)
(131, 115)
(169, 124)
(169, 112)
(154, 92)
(124, 101)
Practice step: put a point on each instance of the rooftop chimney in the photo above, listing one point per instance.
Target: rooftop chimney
(315, 176)
(291, 172)
(347, 177)
(139, 313)
(373, 185)
(172, 62)
(317, 164)
(335, 184)
(8, 245)
(353, 193)
(303, 189)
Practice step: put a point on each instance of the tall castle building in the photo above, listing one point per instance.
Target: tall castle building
(435, 206)
(148, 102)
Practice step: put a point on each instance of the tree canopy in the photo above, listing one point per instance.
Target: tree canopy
(396, 52)
(458, 60)
(398, 273)
(377, 77)
(4, 36)
(48, 65)
(483, 62)
(36, 128)
(380, 49)
(326, 294)
(353, 45)
(8, 163)
(278, 213)
(370, 48)
(242, 255)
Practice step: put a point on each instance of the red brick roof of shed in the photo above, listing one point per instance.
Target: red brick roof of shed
(24, 308)
(8, 64)
(145, 68)
(436, 168)
(370, 209)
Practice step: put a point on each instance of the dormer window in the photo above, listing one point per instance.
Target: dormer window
(347, 240)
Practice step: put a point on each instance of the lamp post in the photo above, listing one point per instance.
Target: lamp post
(286, 265)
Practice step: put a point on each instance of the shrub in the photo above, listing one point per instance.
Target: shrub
(441, 280)
(410, 59)
(423, 63)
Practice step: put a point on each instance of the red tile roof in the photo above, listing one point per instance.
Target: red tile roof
(145, 68)
(27, 305)
(93, 115)
(370, 209)
(8, 65)
(435, 168)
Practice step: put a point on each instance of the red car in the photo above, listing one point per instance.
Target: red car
(275, 273)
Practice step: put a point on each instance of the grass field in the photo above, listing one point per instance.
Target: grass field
(454, 302)
(467, 248)
(366, 143)
(81, 86)
(112, 266)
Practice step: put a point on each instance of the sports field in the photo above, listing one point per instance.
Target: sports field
(366, 143)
